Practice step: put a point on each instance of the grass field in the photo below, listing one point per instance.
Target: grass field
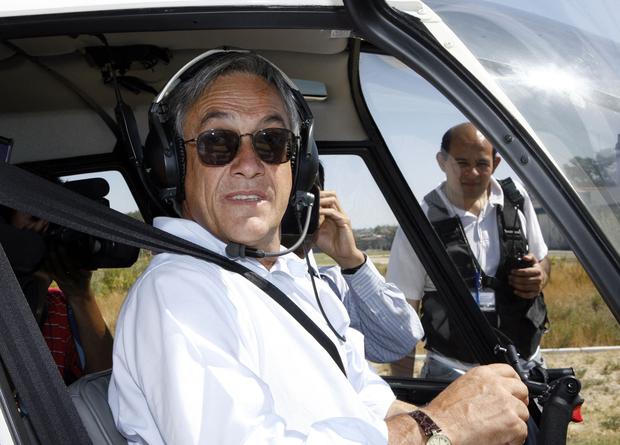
(578, 314)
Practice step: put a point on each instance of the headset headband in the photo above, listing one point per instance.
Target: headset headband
(190, 68)
(194, 64)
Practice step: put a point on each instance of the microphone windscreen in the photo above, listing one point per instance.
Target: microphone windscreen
(233, 250)
(93, 188)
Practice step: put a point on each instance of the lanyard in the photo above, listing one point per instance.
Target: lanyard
(477, 286)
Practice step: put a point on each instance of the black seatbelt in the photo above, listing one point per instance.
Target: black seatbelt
(42, 395)
(514, 242)
(52, 202)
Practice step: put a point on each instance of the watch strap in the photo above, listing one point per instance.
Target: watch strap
(352, 270)
(426, 423)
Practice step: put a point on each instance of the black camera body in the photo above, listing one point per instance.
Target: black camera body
(90, 252)
(516, 261)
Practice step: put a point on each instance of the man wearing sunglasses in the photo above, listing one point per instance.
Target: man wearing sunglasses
(202, 356)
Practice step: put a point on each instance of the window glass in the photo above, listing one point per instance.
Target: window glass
(413, 117)
(372, 220)
(558, 63)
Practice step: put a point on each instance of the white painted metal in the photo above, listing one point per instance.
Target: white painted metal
(5, 434)
(14, 8)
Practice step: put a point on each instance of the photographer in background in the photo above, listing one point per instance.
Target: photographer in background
(68, 316)
(491, 232)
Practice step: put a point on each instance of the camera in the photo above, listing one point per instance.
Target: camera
(88, 251)
(516, 261)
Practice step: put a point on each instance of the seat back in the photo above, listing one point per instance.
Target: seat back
(90, 396)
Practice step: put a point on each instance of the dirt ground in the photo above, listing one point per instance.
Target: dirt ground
(599, 373)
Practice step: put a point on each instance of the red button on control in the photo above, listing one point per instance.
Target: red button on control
(576, 417)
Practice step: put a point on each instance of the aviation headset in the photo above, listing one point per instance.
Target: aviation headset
(164, 151)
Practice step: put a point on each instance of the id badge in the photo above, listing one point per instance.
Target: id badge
(486, 299)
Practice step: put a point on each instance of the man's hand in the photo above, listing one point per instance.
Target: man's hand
(488, 405)
(71, 279)
(529, 282)
(335, 236)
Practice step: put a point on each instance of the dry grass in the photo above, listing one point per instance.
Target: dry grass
(578, 314)
(111, 286)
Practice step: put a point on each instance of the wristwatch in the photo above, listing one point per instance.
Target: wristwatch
(354, 269)
(433, 433)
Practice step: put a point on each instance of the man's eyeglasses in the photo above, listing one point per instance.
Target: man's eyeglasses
(219, 146)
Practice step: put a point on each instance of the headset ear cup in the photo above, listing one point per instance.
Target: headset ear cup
(161, 159)
(181, 166)
(307, 167)
(290, 229)
(154, 163)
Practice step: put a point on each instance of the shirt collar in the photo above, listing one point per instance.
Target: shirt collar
(291, 264)
(496, 197)
(192, 231)
(313, 262)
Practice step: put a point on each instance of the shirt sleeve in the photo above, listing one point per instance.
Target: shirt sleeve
(535, 240)
(195, 373)
(379, 311)
(405, 269)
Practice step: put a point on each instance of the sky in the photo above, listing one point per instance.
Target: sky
(600, 17)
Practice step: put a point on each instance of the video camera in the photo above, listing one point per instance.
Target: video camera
(516, 261)
(88, 251)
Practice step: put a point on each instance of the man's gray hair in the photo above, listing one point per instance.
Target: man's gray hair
(185, 95)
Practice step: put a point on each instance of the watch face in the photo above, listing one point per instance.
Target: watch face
(438, 439)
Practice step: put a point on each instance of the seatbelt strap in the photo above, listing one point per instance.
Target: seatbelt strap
(42, 395)
(52, 202)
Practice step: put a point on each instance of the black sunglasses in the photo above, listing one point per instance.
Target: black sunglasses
(219, 146)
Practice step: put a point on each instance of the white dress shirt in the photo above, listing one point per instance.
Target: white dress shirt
(378, 310)
(202, 356)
